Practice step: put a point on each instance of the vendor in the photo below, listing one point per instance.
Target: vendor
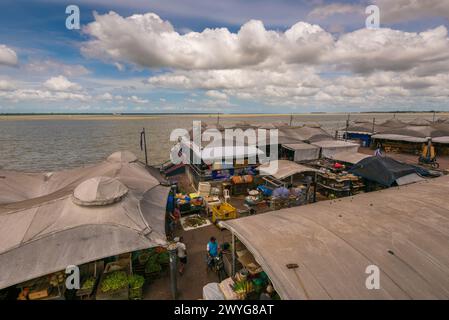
(174, 219)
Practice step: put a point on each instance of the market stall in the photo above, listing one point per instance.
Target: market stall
(93, 212)
(247, 279)
(292, 184)
(300, 152)
(334, 180)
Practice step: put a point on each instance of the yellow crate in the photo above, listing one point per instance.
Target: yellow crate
(223, 211)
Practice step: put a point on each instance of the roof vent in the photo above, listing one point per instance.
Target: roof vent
(99, 191)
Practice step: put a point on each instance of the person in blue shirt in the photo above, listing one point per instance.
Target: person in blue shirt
(212, 248)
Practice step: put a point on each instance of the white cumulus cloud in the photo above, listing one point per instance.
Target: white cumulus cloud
(8, 56)
(61, 83)
(149, 41)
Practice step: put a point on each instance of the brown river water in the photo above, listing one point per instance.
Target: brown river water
(50, 143)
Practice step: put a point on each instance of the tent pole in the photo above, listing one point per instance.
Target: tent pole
(143, 144)
(172, 250)
(347, 126)
(233, 255)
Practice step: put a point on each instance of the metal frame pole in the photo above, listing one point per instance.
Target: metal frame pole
(233, 255)
(173, 270)
(145, 146)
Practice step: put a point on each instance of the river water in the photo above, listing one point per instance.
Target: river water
(54, 143)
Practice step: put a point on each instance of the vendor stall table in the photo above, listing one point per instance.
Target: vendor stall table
(339, 184)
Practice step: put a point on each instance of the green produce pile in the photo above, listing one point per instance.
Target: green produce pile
(156, 260)
(114, 281)
(194, 221)
(135, 281)
(153, 266)
(163, 258)
(88, 284)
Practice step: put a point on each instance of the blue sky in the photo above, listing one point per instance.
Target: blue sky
(230, 56)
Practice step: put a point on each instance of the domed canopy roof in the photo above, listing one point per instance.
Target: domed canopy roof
(419, 122)
(312, 125)
(99, 191)
(122, 156)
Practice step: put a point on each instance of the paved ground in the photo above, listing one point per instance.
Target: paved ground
(190, 285)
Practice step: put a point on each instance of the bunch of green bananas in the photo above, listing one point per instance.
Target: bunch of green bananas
(243, 287)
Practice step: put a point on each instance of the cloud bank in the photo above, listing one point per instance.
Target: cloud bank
(303, 64)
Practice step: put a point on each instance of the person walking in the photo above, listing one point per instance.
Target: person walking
(182, 254)
(378, 152)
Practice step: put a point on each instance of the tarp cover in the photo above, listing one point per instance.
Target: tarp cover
(331, 147)
(303, 151)
(43, 230)
(281, 169)
(349, 157)
(362, 127)
(404, 231)
(410, 178)
(382, 170)
(417, 131)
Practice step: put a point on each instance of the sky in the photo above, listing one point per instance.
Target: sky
(233, 56)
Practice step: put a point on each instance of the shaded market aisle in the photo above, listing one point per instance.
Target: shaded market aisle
(190, 285)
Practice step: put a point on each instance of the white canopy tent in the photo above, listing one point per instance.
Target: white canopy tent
(303, 151)
(331, 147)
(281, 169)
(349, 157)
(49, 221)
